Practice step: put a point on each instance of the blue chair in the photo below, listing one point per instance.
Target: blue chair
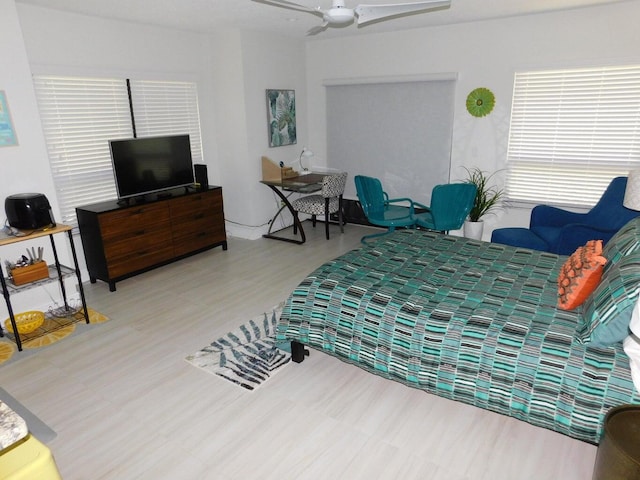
(380, 210)
(450, 205)
(559, 231)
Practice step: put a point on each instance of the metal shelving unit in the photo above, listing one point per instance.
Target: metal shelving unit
(57, 272)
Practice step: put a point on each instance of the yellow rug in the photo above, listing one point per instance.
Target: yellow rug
(52, 330)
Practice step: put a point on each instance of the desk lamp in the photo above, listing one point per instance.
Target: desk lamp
(632, 193)
(306, 153)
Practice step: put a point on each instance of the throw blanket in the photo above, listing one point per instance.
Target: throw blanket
(467, 320)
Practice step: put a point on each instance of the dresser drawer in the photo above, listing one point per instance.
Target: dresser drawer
(125, 248)
(131, 221)
(139, 261)
(195, 207)
(190, 240)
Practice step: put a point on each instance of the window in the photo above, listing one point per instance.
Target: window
(167, 108)
(572, 131)
(80, 116)
(401, 129)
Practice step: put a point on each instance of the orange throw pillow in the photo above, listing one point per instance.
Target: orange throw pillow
(580, 275)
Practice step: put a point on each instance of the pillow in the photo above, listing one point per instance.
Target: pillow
(625, 241)
(607, 311)
(631, 346)
(580, 275)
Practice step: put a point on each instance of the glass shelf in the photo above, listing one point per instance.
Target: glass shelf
(53, 277)
(8, 288)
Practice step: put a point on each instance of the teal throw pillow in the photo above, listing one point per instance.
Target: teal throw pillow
(607, 311)
(625, 241)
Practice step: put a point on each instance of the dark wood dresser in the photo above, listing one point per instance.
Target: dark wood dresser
(124, 239)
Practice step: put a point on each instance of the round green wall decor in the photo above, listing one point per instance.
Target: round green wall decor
(480, 102)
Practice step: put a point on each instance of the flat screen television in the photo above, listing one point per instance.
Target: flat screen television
(152, 164)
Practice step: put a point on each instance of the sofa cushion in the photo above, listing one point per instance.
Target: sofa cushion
(518, 237)
(580, 275)
(551, 236)
(607, 311)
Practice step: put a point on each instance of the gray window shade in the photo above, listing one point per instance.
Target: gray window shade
(571, 132)
(399, 132)
(167, 108)
(79, 116)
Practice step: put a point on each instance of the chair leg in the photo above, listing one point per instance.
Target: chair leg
(313, 221)
(295, 224)
(340, 217)
(364, 239)
(326, 219)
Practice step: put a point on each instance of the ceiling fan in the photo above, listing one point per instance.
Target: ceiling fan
(339, 16)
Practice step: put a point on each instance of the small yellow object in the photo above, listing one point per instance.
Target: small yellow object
(28, 459)
(26, 322)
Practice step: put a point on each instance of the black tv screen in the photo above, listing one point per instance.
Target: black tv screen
(152, 164)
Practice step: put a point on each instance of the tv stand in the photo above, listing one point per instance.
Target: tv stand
(123, 240)
(124, 202)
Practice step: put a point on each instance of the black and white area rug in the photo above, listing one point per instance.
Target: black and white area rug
(247, 356)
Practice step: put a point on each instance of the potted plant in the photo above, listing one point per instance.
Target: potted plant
(487, 199)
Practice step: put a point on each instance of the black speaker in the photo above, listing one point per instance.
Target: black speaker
(298, 352)
(201, 175)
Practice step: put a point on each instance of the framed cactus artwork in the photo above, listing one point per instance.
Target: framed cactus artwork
(281, 117)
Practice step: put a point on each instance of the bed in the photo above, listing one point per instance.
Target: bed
(474, 322)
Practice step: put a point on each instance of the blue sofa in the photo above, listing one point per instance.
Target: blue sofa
(559, 231)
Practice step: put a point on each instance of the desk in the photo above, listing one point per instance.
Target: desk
(312, 182)
(62, 272)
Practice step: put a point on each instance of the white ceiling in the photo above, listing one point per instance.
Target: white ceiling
(212, 15)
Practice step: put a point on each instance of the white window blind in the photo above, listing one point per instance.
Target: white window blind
(398, 131)
(79, 116)
(571, 132)
(167, 108)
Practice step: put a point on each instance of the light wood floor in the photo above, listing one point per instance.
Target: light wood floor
(126, 405)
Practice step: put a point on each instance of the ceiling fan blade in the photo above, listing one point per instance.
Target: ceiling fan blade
(292, 6)
(318, 29)
(371, 13)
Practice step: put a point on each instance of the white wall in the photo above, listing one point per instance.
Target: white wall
(268, 62)
(484, 54)
(23, 168)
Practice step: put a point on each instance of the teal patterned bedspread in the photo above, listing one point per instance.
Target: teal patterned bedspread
(467, 320)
